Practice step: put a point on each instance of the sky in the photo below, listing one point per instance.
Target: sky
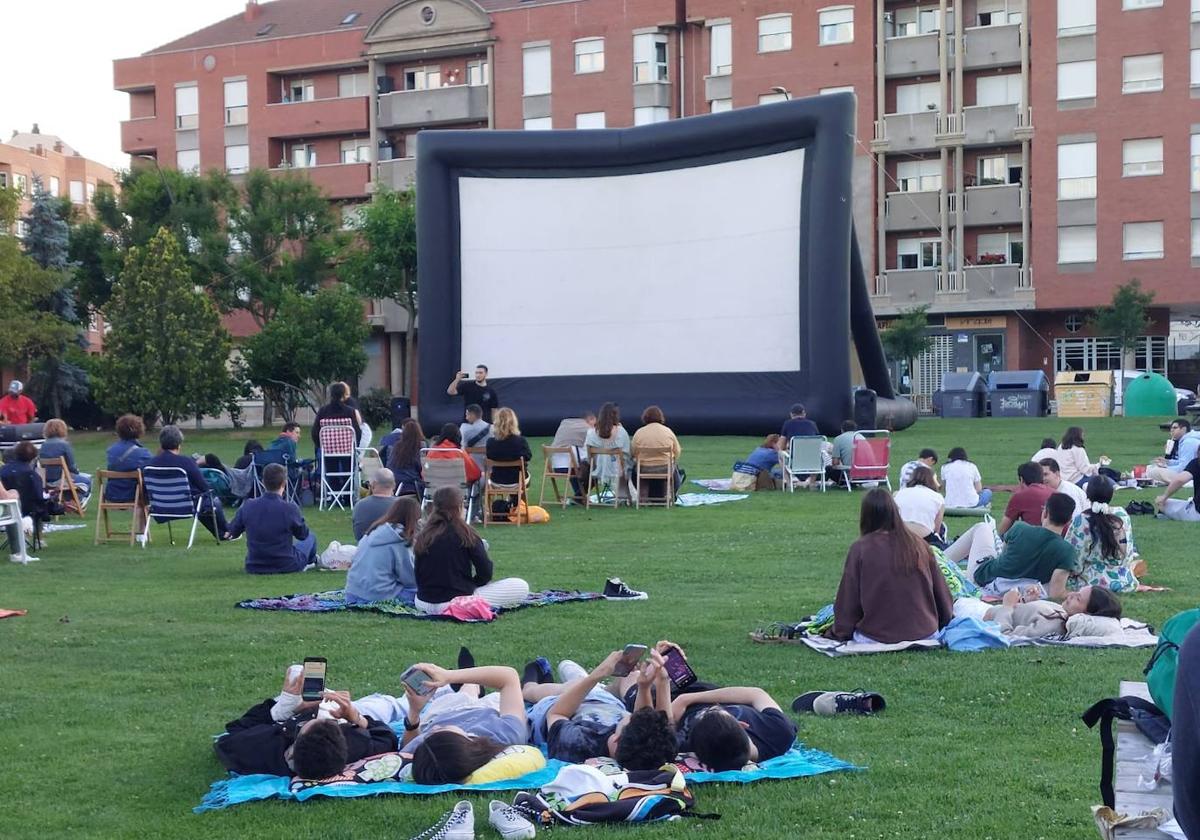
(59, 72)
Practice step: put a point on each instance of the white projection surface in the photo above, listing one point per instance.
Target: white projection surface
(690, 270)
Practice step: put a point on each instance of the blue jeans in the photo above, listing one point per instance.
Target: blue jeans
(985, 497)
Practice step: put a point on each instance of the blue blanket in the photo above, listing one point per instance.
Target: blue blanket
(335, 601)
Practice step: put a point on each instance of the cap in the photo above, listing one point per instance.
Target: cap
(15, 385)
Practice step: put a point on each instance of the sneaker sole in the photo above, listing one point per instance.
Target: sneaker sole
(519, 834)
(642, 597)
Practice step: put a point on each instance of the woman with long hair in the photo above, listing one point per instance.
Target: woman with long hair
(404, 460)
(922, 507)
(891, 590)
(383, 567)
(608, 433)
(1073, 463)
(452, 560)
(964, 484)
(1103, 537)
(507, 444)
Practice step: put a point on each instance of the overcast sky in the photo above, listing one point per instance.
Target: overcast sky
(56, 63)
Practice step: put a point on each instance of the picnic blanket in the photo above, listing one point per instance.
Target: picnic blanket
(11, 613)
(54, 527)
(718, 484)
(699, 499)
(798, 762)
(334, 600)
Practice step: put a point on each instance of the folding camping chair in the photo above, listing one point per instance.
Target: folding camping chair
(104, 506)
(561, 464)
(262, 459)
(870, 462)
(608, 489)
(439, 471)
(654, 464)
(67, 492)
(339, 465)
(492, 490)
(169, 497)
(805, 456)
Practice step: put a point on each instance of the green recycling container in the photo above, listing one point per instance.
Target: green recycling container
(1149, 395)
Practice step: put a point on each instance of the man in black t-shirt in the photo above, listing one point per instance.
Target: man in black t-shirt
(798, 425)
(1177, 508)
(477, 392)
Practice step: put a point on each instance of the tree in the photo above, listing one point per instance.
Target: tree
(383, 262)
(906, 338)
(167, 353)
(312, 340)
(1126, 319)
(10, 207)
(28, 329)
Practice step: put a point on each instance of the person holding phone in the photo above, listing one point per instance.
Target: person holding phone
(284, 736)
(477, 392)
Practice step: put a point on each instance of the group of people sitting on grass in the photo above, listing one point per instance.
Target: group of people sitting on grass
(449, 731)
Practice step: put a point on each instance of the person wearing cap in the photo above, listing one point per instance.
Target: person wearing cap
(15, 407)
(798, 424)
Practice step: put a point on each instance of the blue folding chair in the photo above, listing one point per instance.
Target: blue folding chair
(169, 498)
(261, 460)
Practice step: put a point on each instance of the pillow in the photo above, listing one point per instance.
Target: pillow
(1093, 625)
(510, 764)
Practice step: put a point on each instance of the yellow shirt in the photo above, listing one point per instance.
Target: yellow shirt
(655, 435)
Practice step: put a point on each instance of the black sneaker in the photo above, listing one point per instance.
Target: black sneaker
(537, 671)
(830, 703)
(616, 590)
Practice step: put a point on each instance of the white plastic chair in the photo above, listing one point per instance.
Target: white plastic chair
(10, 514)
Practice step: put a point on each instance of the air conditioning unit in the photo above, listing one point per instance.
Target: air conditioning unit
(384, 84)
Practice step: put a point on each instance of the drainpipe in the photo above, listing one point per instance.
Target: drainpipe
(491, 60)
(373, 120)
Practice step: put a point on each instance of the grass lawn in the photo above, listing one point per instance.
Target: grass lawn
(130, 660)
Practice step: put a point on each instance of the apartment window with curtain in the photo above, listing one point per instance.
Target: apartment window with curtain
(591, 119)
(1140, 157)
(1076, 17)
(187, 107)
(188, 160)
(1076, 170)
(1077, 244)
(356, 150)
(237, 159)
(1142, 240)
(55, 186)
(301, 90)
(235, 102)
(589, 55)
(914, 20)
(354, 84)
(913, 99)
(649, 58)
(720, 49)
(775, 33)
(75, 189)
(999, 169)
(719, 105)
(535, 65)
(477, 73)
(998, 90)
(650, 114)
(997, 12)
(304, 155)
(1001, 248)
(423, 78)
(1141, 73)
(1076, 80)
(919, 175)
(835, 25)
(912, 254)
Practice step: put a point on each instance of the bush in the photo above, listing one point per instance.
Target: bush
(376, 408)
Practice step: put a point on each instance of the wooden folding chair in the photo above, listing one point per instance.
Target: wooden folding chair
(607, 490)
(103, 506)
(557, 459)
(492, 490)
(654, 463)
(68, 493)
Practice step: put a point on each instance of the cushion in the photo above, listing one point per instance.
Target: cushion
(1083, 624)
(513, 762)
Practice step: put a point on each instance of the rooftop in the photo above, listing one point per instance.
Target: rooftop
(30, 140)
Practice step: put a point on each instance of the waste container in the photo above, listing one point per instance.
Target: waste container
(961, 395)
(401, 410)
(1149, 395)
(1084, 393)
(865, 410)
(1018, 393)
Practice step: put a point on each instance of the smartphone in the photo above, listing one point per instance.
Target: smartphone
(464, 376)
(678, 670)
(314, 678)
(630, 657)
(417, 680)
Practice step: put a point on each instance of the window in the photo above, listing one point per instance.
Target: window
(1077, 244)
(304, 155)
(187, 107)
(589, 55)
(591, 119)
(20, 229)
(477, 73)
(187, 160)
(913, 99)
(1150, 353)
(1143, 240)
(76, 191)
(354, 84)
(774, 33)
(770, 98)
(539, 124)
(1076, 17)
(21, 184)
(998, 90)
(1142, 157)
(919, 175)
(1077, 170)
(237, 159)
(1195, 237)
(997, 12)
(55, 186)
(650, 114)
(536, 69)
(997, 170)
(918, 253)
(3, 180)
(1130, 5)
(915, 20)
(423, 78)
(836, 25)
(649, 58)
(1195, 75)
(999, 249)
(235, 102)
(1195, 10)
(91, 192)
(720, 49)
(1141, 73)
(357, 150)
(837, 89)
(719, 105)
(1195, 162)
(1076, 80)
(301, 90)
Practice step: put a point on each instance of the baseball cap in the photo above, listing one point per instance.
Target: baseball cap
(15, 385)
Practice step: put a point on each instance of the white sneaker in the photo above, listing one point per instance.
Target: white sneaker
(569, 671)
(141, 540)
(17, 558)
(510, 822)
(457, 824)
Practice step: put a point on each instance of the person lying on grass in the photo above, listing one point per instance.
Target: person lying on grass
(1023, 612)
(580, 718)
(284, 736)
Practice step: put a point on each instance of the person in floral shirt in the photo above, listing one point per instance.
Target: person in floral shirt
(1103, 537)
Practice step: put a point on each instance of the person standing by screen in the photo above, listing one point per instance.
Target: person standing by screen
(477, 392)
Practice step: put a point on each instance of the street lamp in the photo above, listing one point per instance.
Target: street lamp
(166, 186)
(787, 94)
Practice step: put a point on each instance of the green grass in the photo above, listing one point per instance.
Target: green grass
(130, 660)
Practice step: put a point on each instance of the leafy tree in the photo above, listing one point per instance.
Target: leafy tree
(312, 340)
(167, 351)
(906, 337)
(1126, 319)
(383, 262)
(28, 329)
(10, 207)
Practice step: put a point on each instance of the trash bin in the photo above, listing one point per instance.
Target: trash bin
(1084, 393)
(401, 410)
(865, 411)
(1018, 393)
(1149, 395)
(961, 395)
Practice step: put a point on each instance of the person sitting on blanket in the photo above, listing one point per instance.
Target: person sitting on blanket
(1026, 615)
(1182, 446)
(765, 461)
(1052, 476)
(382, 568)
(1102, 536)
(1178, 509)
(1027, 503)
(452, 560)
(926, 458)
(891, 589)
(922, 507)
(580, 719)
(288, 736)
(277, 537)
(964, 485)
(798, 424)
(451, 734)
(1073, 458)
(1048, 450)
(1028, 555)
(404, 460)
(368, 510)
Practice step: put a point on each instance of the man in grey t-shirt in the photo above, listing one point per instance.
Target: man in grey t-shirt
(368, 510)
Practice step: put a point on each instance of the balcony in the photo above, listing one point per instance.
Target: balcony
(986, 288)
(997, 286)
(988, 125)
(913, 55)
(142, 136)
(398, 174)
(436, 106)
(336, 180)
(992, 46)
(993, 205)
(906, 132)
(313, 118)
(914, 210)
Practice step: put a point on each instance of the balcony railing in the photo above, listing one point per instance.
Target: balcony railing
(435, 106)
(313, 117)
(336, 180)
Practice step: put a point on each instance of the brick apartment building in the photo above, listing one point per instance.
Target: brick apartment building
(1006, 173)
